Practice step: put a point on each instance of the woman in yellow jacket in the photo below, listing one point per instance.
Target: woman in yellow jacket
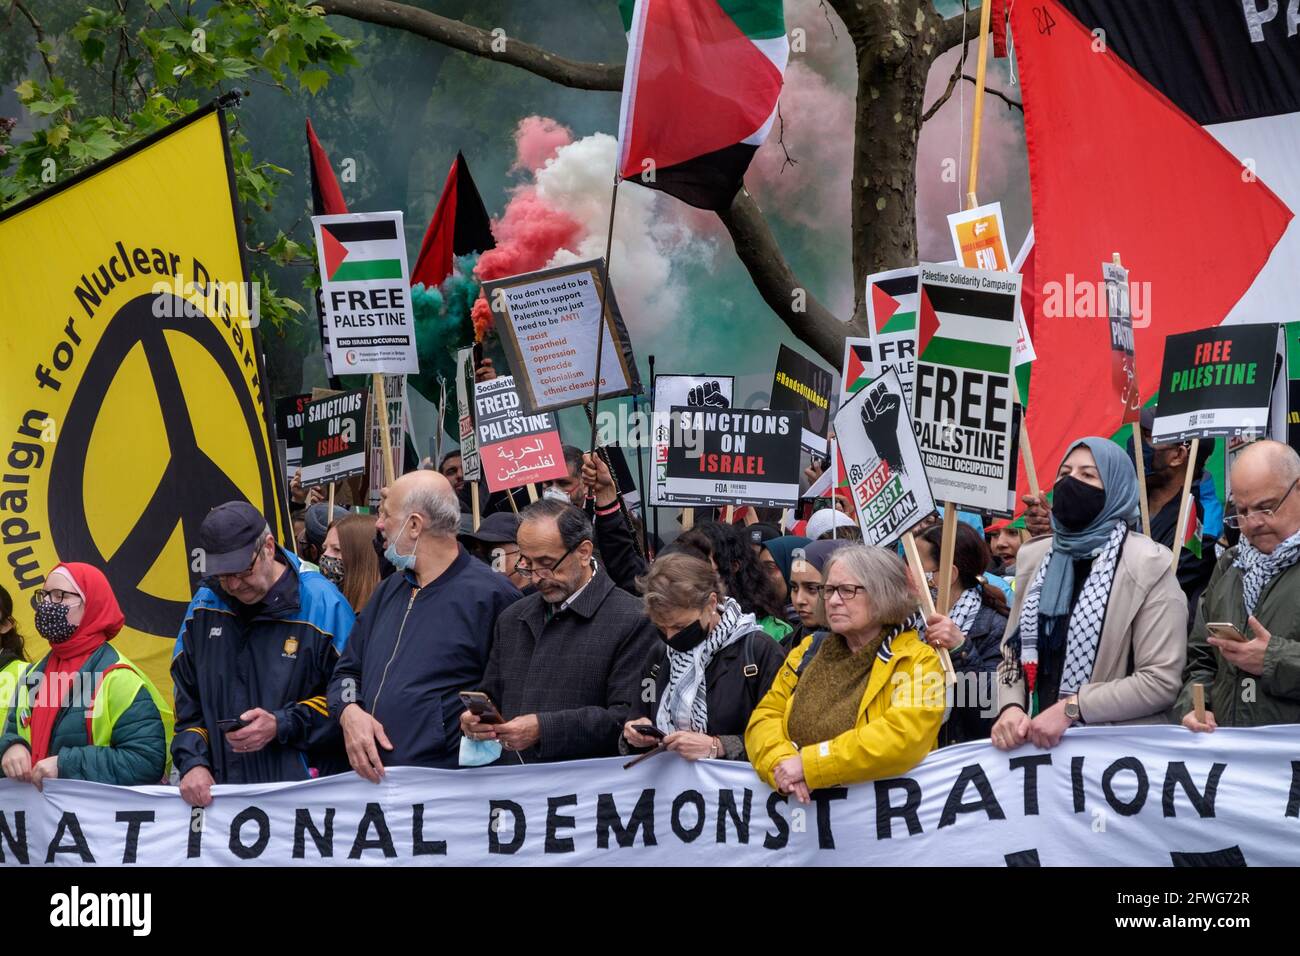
(861, 701)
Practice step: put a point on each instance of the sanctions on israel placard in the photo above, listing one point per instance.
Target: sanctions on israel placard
(133, 399)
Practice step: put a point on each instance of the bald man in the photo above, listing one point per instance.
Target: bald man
(423, 636)
(1255, 591)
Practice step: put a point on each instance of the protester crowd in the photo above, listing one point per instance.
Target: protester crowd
(422, 636)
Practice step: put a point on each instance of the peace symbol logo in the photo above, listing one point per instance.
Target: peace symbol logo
(192, 483)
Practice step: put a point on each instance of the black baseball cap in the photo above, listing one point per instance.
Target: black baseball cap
(497, 528)
(230, 536)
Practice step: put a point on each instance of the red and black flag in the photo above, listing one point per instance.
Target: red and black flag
(326, 200)
(1167, 131)
(459, 227)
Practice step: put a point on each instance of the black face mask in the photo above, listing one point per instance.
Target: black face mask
(688, 636)
(1076, 504)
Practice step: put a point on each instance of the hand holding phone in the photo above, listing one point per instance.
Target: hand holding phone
(231, 724)
(649, 730)
(1226, 631)
(480, 705)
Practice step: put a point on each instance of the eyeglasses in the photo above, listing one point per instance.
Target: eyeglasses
(1257, 514)
(55, 596)
(847, 592)
(244, 575)
(543, 570)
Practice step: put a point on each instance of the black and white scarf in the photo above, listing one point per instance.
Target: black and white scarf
(1260, 568)
(1085, 620)
(965, 609)
(685, 703)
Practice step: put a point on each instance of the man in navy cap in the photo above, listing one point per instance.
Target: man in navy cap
(494, 544)
(253, 661)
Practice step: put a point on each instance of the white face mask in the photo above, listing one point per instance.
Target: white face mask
(555, 493)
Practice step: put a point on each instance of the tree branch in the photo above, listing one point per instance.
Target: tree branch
(1011, 104)
(479, 42)
(790, 299)
(40, 34)
(952, 85)
(954, 28)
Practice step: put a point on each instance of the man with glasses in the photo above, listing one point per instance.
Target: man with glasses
(252, 661)
(566, 661)
(421, 639)
(1245, 643)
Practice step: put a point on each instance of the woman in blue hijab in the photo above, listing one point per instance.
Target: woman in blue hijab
(1098, 631)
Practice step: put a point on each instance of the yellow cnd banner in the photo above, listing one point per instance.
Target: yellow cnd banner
(133, 381)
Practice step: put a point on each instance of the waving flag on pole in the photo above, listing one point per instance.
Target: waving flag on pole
(326, 200)
(699, 93)
(459, 227)
(1166, 131)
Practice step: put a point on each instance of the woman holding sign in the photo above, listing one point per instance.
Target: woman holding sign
(861, 701)
(1098, 631)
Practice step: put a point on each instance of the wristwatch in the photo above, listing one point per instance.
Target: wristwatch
(1072, 707)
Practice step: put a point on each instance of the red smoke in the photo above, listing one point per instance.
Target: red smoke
(536, 140)
(530, 231)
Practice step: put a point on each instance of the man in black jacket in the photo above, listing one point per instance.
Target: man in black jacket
(421, 639)
(566, 662)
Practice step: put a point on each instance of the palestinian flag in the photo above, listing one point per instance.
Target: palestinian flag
(891, 300)
(362, 251)
(1175, 146)
(699, 93)
(326, 200)
(1194, 531)
(459, 227)
(952, 328)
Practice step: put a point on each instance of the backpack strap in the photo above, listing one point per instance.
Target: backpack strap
(809, 654)
(751, 669)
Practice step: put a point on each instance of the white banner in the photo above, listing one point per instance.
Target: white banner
(1152, 796)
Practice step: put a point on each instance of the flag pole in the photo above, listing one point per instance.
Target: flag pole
(1138, 461)
(927, 602)
(1184, 503)
(977, 122)
(604, 311)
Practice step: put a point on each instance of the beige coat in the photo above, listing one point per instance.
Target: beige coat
(1146, 617)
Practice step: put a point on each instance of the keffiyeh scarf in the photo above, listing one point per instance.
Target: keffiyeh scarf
(685, 704)
(1259, 568)
(1085, 620)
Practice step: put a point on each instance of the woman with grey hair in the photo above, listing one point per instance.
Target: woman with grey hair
(860, 701)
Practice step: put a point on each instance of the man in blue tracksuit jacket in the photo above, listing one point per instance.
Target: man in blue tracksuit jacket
(422, 638)
(258, 647)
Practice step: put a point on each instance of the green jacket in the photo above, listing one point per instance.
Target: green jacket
(1238, 699)
(128, 724)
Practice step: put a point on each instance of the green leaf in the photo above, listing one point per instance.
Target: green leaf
(26, 90)
(313, 80)
(57, 135)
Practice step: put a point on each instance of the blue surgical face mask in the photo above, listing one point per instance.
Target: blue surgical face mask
(402, 562)
(478, 753)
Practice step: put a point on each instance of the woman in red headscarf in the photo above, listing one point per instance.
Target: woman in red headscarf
(84, 711)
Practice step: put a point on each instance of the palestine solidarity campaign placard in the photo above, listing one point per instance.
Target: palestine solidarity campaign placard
(366, 293)
(962, 399)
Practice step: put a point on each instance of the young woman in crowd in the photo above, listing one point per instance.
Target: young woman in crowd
(713, 667)
(775, 556)
(980, 612)
(349, 558)
(1098, 630)
(805, 585)
(835, 713)
(1005, 545)
(83, 711)
(742, 576)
